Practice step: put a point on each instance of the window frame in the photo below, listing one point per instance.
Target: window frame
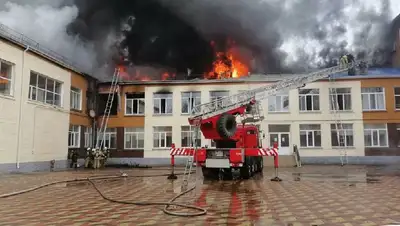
(131, 134)
(191, 101)
(190, 133)
(10, 80)
(346, 132)
(88, 137)
(75, 92)
(75, 135)
(368, 94)
(274, 98)
(307, 131)
(312, 95)
(168, 97)
(138, 106)
(396, 95)
(343, 94)
(109, 133)
(36, 88)
(377, 130)
(162, 135)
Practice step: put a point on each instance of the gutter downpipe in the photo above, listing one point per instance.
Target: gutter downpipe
(20, 106)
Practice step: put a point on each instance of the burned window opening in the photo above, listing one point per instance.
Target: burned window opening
(103, 102)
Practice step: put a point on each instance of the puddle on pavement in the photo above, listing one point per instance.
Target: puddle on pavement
(352, 178)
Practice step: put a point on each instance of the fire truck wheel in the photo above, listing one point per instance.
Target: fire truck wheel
(226, 125)
(210, 173)
(246, 170)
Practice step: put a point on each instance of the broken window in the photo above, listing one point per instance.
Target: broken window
(309, 100)
(134, 104)
(189, 101)
(103, 97)
(162, 103)
(340, 99)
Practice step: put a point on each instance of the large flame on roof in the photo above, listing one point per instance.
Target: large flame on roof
(227, 64)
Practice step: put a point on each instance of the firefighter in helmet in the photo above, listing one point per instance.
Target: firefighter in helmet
(344, 61)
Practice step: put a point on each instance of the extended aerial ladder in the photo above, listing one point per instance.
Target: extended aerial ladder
(110, 99)
(238, 103)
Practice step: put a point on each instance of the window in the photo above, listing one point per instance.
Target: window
(109, 138)
(189, 101)
(44, 90)
(215, 95)
(373, 98)
(375, 135)
(76, 98)
(5, 78)
(88, 137)
(310, 135)
(398, 134)
(134, 104)
(134, 138)
(278, 103)
(162, 103)
(162, 136)
(187, 137)
(74, 136)
(345, 132)
(340, 99)
(309, 99)
(397, 98)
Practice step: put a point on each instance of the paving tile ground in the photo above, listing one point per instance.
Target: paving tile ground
(311, 195)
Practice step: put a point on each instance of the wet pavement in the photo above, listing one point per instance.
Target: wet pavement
(311, 195)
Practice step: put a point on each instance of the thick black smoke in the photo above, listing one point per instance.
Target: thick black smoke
(276, 35)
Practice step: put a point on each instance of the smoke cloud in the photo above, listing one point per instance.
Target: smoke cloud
(279, 35)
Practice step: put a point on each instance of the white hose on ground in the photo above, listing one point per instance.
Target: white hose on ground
(91, 180)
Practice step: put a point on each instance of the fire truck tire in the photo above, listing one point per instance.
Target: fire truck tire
(226, 125)
(247, 170)
(210, 173)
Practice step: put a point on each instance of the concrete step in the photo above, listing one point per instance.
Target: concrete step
(284, 161)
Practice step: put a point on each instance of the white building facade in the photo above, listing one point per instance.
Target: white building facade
(34, 110)
(299, 117)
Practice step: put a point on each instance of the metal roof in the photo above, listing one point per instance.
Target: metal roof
(22, 40)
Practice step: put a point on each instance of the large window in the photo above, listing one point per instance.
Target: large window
(162, 136)
(134, 104)
(162, 103)
(215, 95)
(397, 98)
(342, 135)
(278, 103)
(373, 98)
(6, 78)
(109, 137)
(74, 136)
(134, 138)
(375, 135)
(76, 98)
(309, 100)
(310, 135)
(187, 137)
(44, 89)
(189, 101)
(88, 137)
(398, 134)
(340, 99)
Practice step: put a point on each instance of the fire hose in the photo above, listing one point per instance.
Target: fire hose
(201, 211)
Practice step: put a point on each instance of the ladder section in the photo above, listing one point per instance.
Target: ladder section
(225, 104)
(340, 131)
(107, 110)
(189, 161)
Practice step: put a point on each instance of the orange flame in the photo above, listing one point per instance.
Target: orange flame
(227, 65)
